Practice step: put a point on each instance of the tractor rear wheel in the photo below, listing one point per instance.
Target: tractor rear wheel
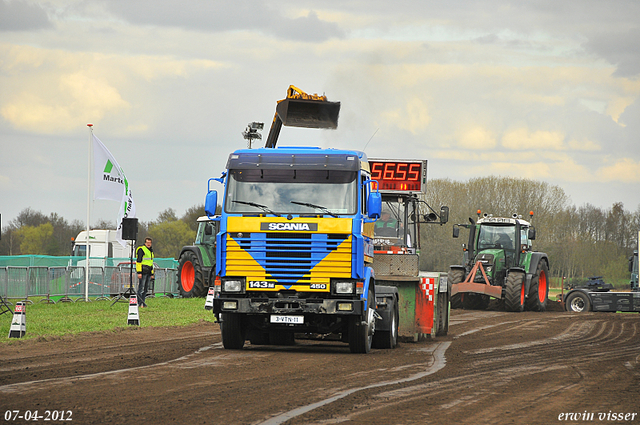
(456, 276)
(514, 292)
(190, 277)
(539, 290)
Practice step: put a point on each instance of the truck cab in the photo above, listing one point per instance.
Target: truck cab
(295, 246)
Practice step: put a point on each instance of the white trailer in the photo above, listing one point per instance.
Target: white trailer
(102, 244)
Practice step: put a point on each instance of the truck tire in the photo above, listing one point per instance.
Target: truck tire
(456, 276)
(190, 277)
(578, 302)
(233, 331)
(361, 336)
(443, 314)
(514, 292)
(539, 290)
(388, 339)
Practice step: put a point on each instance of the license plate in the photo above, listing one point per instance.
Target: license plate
(298, 320)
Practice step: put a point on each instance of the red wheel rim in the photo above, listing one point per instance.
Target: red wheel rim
(542, 286)
(522, 294)
(187, 276)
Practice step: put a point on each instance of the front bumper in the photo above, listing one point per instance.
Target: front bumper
(286, 306)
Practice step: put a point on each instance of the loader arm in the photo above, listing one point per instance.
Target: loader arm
(274, 132)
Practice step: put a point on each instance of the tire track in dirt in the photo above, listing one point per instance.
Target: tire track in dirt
(437, 362)
(26, 361)
(488, 369)
(46, 384)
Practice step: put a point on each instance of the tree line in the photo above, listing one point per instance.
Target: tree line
(580, 241)
(33, 232)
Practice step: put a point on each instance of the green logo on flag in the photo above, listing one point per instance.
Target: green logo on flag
(108, 166)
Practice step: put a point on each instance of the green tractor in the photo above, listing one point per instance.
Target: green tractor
(197, 262)
(499, 263)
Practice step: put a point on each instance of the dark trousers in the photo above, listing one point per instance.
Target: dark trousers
(143, 287)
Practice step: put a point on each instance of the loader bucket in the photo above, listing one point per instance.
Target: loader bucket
(308, 113)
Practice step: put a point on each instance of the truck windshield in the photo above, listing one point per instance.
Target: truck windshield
(275, 189)
(501, 237)
(390, 223)
(80, 251)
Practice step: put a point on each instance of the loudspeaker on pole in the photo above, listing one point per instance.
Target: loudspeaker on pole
(19, 322)
(129, 229)
(133, 318)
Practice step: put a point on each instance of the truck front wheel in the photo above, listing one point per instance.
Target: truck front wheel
(233, 331)
(361, 335)
(190, 277)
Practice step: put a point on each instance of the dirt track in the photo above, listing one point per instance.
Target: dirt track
(493, 368)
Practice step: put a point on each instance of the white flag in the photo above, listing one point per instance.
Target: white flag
(111, 183)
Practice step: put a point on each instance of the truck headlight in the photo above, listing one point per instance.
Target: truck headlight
(344, 287)
(345, 306)
(232, 285)
(230, 305)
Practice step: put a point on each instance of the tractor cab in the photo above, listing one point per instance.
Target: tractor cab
(498, 243)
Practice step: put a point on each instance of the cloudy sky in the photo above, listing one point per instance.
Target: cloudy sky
(547, 90)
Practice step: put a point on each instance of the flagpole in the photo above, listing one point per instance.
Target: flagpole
(86, 266)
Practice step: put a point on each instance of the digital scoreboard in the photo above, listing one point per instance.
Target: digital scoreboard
(399, 176)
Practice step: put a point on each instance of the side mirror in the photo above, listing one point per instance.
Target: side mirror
(211, 203)
(208, 229)
(444, 214)
(374, 205)
(456, 231)
(431, 217)
(532, 233)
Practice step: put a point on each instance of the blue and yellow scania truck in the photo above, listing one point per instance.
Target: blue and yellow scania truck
(295, 247)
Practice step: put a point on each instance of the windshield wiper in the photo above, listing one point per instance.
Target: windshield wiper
(319, 207)
(262, 207)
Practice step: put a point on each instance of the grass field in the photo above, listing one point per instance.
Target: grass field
(44, 319)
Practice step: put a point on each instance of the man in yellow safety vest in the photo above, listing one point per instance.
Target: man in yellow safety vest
(144, 267)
